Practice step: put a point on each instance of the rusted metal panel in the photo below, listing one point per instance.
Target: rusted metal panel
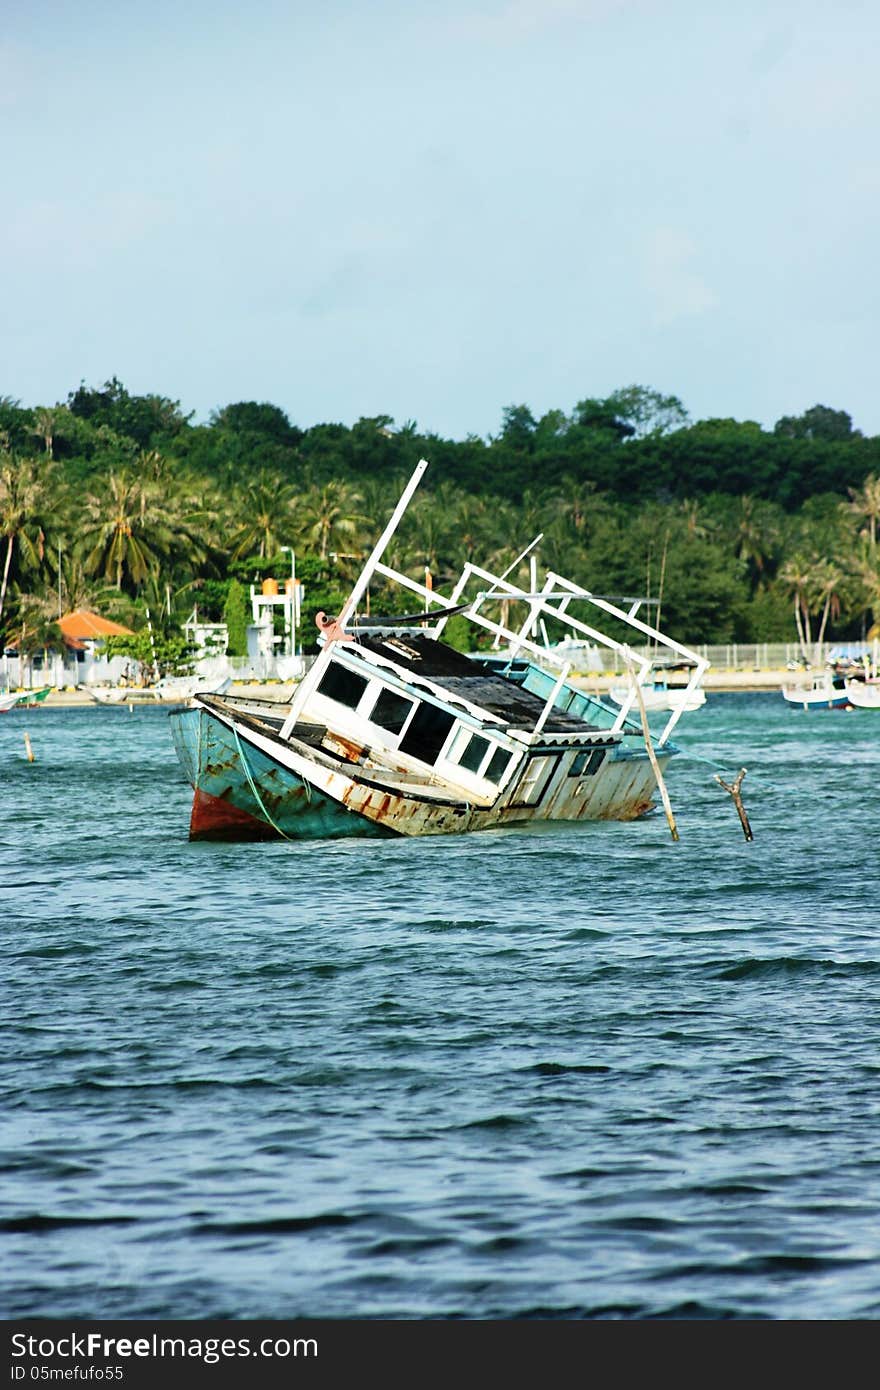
(346, 748)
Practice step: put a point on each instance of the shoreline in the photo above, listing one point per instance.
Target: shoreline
(718, 682)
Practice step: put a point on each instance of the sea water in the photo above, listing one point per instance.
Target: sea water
(575, 1072)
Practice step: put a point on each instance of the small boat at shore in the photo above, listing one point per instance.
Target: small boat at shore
(169, 690)
(22, 699)
(863, 694)
(392, 731)
(658, 692)
(824, 690)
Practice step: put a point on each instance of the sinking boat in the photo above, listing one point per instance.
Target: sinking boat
(392, 731)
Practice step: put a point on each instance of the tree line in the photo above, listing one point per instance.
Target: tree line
(120, 503)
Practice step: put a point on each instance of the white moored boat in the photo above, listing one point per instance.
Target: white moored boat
(659, 694)
(169, 690)
(863, 694)
(824, 690)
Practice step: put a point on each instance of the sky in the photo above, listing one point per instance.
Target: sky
(434, 209)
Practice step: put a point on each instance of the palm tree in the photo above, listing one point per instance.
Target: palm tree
(865, 568)
(576, 500)
(264, 509)
(692, 511)
(757, 536)
(426, 549)
(425, 540)
(827, 581)
(797, 575)
(329, 518)
(866, 505)
(23, 493)
(471, 522)
(151, 464)
(36, 628)
(49, 422)
(126, 530)
(77, 590)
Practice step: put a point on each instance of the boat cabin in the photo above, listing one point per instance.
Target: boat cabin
(425, 708)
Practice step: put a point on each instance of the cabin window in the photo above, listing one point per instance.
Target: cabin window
(474, 753)
(587, 762)
(391, 710)
(427, 732)
(498, 765)
(344, 686)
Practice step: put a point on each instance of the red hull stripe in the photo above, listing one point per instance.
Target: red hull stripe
(214, 818)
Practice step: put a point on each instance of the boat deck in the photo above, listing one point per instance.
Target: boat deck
(370, 772)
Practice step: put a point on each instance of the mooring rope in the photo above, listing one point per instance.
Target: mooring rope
(253, 787)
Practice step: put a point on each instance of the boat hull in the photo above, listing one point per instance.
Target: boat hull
(863, 694)
(246, 795)
(251, 786)
(23, 699)
(661, 698)
(816, 699)
(171, 690)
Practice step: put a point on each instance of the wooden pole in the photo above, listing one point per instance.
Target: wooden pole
(28, 749)
(658, 775)
(733, 788)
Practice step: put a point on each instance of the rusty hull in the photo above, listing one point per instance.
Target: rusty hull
(256, 785)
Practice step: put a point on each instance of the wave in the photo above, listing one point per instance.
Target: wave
(786, 966)
(37, 1223)
(564, 1068)
(276, 1225)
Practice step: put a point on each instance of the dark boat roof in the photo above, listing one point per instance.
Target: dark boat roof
(457, 674)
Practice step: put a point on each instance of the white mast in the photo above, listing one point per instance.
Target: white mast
(311, 679)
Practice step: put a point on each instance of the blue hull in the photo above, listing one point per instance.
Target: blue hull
(240, 793)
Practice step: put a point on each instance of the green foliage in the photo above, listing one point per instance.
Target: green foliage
(211, 599)
(819, 422)
(15, 424)
(264, 420)
(704, 594)
(460, 634)
(518, 428)
(144, 501)
(144, 419)
(647, 412)
(767, 617)
(171, 654)
(236, 616)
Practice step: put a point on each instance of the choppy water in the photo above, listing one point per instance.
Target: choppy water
(574, 1072)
